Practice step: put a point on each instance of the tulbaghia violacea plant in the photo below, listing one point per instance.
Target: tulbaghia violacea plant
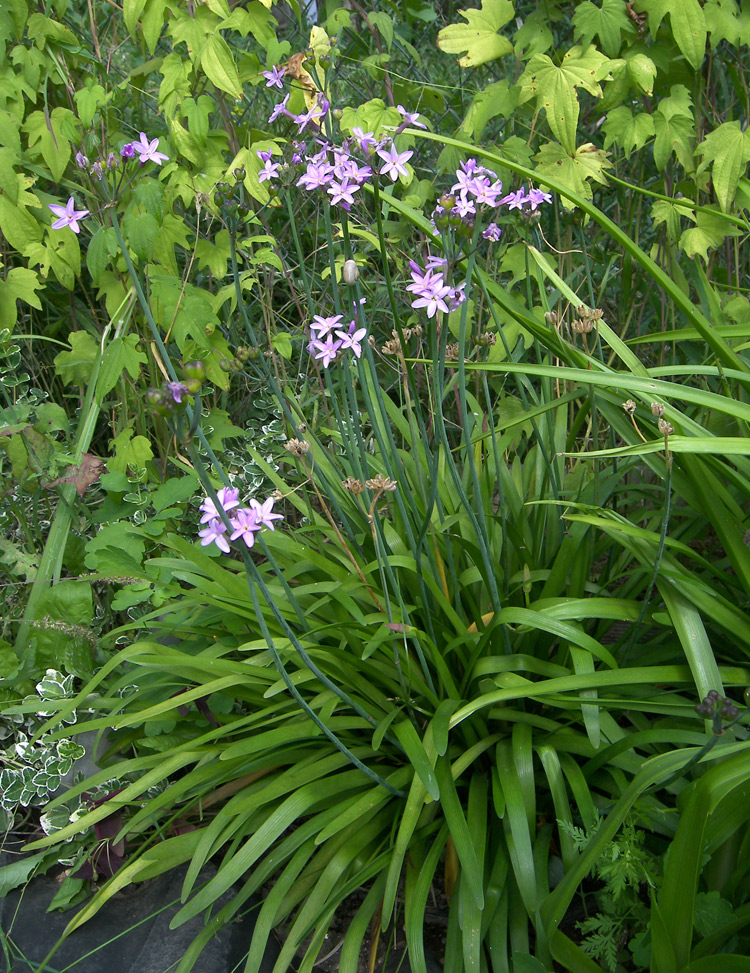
(245, 522)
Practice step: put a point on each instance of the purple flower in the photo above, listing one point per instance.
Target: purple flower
(147, 150)
(316, 175)
(228, 498)
(365, 140)
(394, 162)
(177, 390)
(325, 351)
(112, 161)
(274, 77)
(492, 233)
(68, 215)
(515, 200)
(214, 534)
(536, 197)
(128, 150)
(410, 118)
(269, 171)
(341, 193)
(96, 169)
(351, 339)
(246, 526)
(280, 110)
(430, 289)
(263, 513)
(323, 326)
(81, 161)
(315, 115)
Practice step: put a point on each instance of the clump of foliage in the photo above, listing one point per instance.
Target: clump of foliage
(384, 511)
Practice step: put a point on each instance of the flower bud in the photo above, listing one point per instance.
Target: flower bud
(350, 272)
(194, 369)
(239, 173)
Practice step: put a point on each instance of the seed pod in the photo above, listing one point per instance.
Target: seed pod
(350, 272)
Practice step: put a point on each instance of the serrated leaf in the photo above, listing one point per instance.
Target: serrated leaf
(20, 284)
(555, 88)
(218, 63)
(727, 151)
(479, 36)
(606, 23)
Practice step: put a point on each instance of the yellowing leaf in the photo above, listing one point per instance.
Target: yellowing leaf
(479, 36)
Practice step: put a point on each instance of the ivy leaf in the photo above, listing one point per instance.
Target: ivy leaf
(102, 246)
(589, 21)
(576, 171)
(674, 128)
(496, 99)
(663, 211)
(629, 131)
(479, 36)
(75, 366)
(20, 284)
(727, 150)
(120, 356)
(688, 24)
(711, 231)
(130, 451)
(373, 117)
(555, 88)
(722, 22)
(533, 37)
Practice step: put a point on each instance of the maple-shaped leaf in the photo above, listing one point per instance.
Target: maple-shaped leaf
(727, 151)
(629, 131)
(479, 36)
(555, 88)
(576, 171)
(87, 472)
(722, 22)
(688, 24)
(674, 128)
(711, 231)
(605, 22)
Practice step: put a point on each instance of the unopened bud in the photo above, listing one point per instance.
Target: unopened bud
(350, 272)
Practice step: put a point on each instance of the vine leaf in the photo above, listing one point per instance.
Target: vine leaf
(727, 151)
(479, 37)
(555, 88)
(688, 25)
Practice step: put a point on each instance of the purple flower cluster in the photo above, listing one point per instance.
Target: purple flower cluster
(329, 340)
(245, 521)
(430, 289)
(477, 186)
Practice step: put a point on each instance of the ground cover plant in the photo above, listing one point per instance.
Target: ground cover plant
(375, 468)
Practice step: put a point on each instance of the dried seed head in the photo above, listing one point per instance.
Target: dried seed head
(665, 428)
(657, 410)
(380, 482)
(297, 447)
(551, 317)
(629, 407)
(451, 352)
(353, 486)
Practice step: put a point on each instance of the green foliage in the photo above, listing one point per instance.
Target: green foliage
(513, 550)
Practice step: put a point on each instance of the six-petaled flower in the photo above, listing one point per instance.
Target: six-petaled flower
(67, 215)
(146, 150)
